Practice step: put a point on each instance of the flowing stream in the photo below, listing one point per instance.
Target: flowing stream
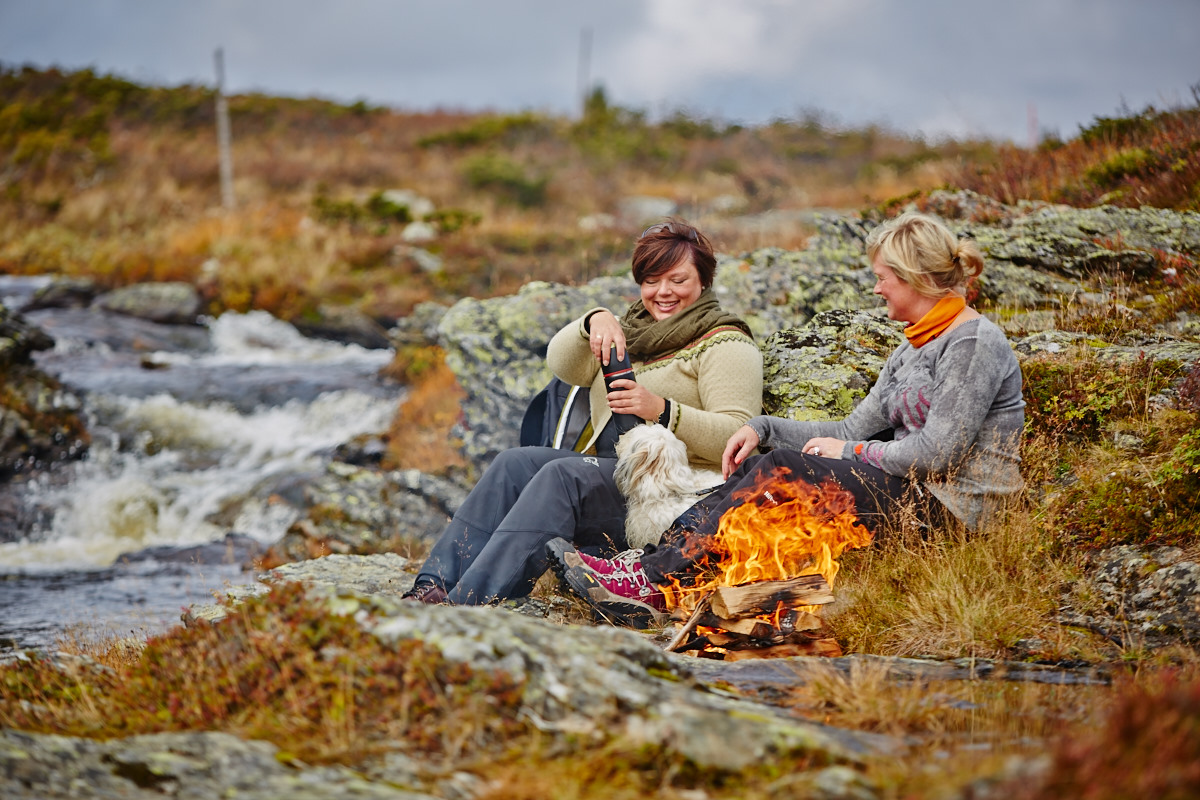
(202, 440)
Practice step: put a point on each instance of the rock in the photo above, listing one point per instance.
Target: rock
(419, 233)
(173, 303)
(359, 510)
(1151, 597)
(497, 350)
(185, 765)
(40, 422)
(63, 293)
(823, 370)
(427, 262)
(1084, 242)
(576, 683)
(235, 548)
(344, 324)
(419, 327)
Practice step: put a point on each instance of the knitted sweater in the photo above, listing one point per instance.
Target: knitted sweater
(956, 412)
(714, 385)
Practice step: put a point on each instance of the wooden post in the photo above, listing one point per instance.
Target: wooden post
(584, 76)
(223, 145)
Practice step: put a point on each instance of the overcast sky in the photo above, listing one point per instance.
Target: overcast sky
(937, 67)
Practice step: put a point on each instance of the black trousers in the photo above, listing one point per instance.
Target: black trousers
(494, 547)
(877, 498)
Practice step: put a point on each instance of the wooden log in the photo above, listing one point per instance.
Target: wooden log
(763, 597)
(817, 647)
(796, 620)
(701, 609)
(748, 626)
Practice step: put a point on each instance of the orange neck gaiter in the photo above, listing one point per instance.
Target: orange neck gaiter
(936, 321)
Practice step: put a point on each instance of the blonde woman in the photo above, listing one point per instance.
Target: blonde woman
(939, 431)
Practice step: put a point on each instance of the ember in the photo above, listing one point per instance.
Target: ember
(772, 564)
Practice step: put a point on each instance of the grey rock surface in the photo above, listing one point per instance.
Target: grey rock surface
(172, 303)
(40, 421)
(188, 766)
(360, 510)
(345, 325)
(1150, 596)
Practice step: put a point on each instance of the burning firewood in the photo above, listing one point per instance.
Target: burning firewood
(765, 597)
(750, 600)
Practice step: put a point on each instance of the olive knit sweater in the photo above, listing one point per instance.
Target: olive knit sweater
(714, 385)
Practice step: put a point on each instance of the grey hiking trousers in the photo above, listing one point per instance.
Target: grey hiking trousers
(494, 547)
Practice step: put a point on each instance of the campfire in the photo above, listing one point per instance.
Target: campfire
(772, 567)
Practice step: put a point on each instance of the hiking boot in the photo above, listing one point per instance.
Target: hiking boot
(426, 590)
(625, 598)
(563, 556)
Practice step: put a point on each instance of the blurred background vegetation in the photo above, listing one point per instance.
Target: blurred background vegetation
(104, 178)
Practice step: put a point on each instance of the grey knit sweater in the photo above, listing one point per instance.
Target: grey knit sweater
(956, 411)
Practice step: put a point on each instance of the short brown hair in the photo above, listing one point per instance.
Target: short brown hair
(664, 245)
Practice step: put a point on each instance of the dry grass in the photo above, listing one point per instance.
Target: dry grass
(950, 594)
(419, 436)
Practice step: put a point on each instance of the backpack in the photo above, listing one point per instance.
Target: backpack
(558, 416)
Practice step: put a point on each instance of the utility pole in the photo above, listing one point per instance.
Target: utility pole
(585, 68)
(223, 147)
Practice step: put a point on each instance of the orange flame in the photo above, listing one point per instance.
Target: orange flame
(783, 528)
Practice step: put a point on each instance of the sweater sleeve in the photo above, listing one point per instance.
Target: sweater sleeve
(967, 380)
(569, 354)
(867, 418)
(729, 379)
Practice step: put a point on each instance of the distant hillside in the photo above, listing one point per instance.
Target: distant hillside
(1151, 158)
(108, 179)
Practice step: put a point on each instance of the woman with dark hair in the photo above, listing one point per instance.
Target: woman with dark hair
(938, 433)
(698, 373)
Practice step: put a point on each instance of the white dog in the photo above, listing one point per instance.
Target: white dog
(658, 484)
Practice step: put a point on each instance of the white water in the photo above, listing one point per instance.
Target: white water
(168, 471)
(169, 466)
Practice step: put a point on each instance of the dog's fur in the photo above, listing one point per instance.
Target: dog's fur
(658, 484)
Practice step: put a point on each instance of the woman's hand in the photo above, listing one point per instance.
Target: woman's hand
(605, 332)
(740, 445)
(824, 446)
(630, 397)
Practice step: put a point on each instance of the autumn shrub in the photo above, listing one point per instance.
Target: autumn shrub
(1076, 396)
(512, 181)
(1148, 745)
(419, 436)
(1150, 157)
(281, 668)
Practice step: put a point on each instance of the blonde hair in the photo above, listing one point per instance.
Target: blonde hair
(926, 255)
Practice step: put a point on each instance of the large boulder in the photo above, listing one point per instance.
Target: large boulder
(825, 368)
(497, 349)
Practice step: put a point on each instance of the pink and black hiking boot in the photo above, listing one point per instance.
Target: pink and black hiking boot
(624, 598)
(563, 556)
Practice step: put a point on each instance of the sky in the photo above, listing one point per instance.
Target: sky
(932, 67)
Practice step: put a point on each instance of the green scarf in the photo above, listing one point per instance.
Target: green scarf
(646, 337)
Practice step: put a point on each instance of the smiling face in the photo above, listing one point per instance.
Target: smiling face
(904, 303)
(666, 294)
